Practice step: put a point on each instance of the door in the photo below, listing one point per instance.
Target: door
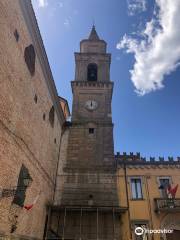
(173, 236)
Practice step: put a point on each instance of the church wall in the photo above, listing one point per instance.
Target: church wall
(26, 134)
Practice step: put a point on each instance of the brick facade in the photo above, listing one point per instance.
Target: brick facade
(26, 135)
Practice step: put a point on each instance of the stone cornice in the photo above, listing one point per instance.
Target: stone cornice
(86, 57)
(97, 41)
(80, 54)
(98, 84)
(97, 122)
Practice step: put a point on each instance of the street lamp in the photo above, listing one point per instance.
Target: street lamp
(26, 182)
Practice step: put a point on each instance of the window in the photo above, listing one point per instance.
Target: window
(136, 188)
(29, 57)
(16, 35)
(92, 72)
(35, 98)
(163, 184)
(91, 130)
(44, 116)
(51, 116)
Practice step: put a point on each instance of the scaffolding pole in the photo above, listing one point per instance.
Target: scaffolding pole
(47, 225)
(97, 233)
(59, 216)
(64, 224)
(81, 223)
(114, 226)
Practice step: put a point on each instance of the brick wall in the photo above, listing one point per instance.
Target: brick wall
(26, 135)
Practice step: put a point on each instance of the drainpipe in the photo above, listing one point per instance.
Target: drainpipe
(57, 165)
(127, 196)
(149, 203)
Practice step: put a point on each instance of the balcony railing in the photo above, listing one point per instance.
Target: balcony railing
(167, 204)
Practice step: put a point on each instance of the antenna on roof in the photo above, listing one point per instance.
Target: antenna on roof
(93, 22)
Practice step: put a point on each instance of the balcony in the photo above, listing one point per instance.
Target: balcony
(167, 205)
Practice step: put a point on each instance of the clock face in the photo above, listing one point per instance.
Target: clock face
(91, 105)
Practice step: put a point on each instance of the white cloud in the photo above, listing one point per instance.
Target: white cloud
(136, 6)
(42, 3)
(157, 52)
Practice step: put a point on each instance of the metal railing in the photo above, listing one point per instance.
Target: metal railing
(167, 204)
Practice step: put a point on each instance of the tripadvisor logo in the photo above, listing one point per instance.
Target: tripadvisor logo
(141, 230)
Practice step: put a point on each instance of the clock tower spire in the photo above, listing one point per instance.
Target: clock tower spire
(93, 35)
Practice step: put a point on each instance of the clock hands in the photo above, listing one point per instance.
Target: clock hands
(91, 104)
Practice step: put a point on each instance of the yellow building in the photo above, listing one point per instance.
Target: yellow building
(142, 189)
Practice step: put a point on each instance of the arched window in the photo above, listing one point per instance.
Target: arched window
(51, 116)
(92, 72)
(29, 57)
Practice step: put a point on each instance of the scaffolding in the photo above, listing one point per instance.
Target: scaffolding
(97, 212)
(86, 207)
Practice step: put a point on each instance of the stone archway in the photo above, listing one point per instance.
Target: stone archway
(171, 221)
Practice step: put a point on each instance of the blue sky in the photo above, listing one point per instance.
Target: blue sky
(143, 37)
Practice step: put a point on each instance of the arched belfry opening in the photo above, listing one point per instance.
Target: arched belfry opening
(92, 72)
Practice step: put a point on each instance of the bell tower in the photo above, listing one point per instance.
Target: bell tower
(91, 113)
(88, 205)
